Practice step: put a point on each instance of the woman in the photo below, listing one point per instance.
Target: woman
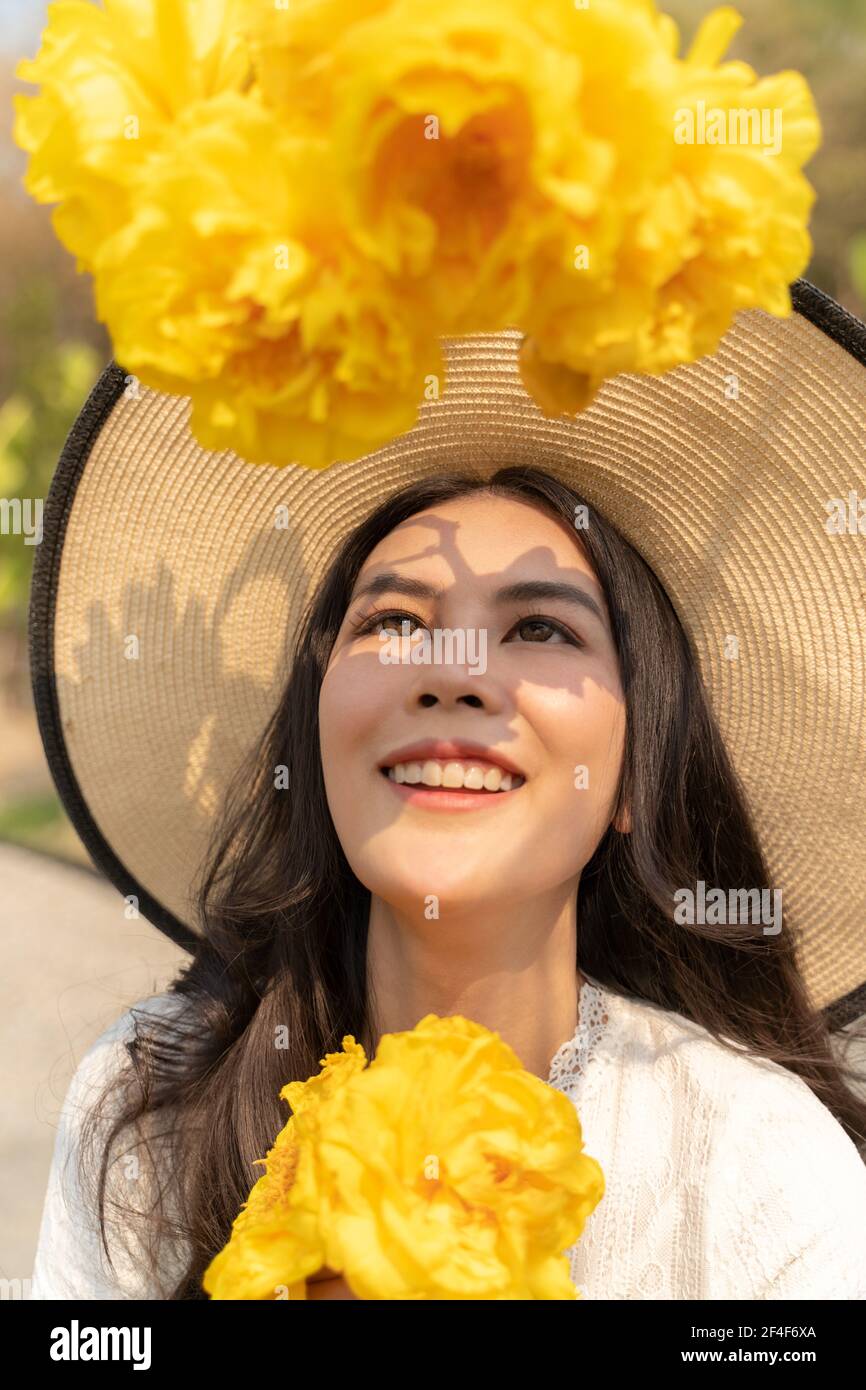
(559, 895)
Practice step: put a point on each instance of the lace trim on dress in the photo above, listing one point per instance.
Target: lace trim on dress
(570, 1071)
(570, 1063)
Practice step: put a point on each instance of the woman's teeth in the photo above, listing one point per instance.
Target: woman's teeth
(455, 775)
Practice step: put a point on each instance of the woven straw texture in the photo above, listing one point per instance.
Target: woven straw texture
(719, 473)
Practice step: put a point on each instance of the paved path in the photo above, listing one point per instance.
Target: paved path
(71, 964)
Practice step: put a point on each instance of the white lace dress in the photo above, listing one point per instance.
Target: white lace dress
(725, 1177)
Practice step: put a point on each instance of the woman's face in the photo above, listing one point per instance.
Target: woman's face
(535, 692)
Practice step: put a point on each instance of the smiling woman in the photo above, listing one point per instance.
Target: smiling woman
(405, 874)
(520, 350)
(503, 873)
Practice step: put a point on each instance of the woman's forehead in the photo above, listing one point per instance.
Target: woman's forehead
(481, 537)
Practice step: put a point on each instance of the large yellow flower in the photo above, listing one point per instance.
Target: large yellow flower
(443, 1170)
(520, 162)
(231, 283)
(447, 1171)
(276, 1240)
(457, 135)
(722, 227)
(286, 208)
(113, 81)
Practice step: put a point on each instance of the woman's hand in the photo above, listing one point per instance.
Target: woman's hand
(327, 1284)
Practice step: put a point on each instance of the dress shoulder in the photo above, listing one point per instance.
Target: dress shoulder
(781, 1184)
(792, 1193)
(70, 1260)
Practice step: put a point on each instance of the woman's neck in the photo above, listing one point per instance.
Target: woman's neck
(508, 966)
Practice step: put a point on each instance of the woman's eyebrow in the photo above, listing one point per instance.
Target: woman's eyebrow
(390, 582)
(527, 590)
(524, 590)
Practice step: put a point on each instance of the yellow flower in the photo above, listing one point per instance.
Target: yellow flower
(286, 209)
(113, 81)
(456, 133)
(338, 1068)
(723, 227)
(443, 1170)
(276, 1241)
(230, 284)
(447, 1171)
(519, 162)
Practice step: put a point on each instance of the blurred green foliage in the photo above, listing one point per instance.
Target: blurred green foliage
(858, 263)
(26, 819)
(46, 385)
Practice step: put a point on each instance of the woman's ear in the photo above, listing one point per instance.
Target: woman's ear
(622, 821)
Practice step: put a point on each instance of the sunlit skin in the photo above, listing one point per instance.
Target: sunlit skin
(505, 873)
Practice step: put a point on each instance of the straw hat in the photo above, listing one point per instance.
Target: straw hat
(167, 584)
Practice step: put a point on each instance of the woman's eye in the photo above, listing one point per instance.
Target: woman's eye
(398, 623)
(543, 630)
(391, 622)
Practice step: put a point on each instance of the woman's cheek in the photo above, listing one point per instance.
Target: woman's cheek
(584, 740)
(352, 703)
(356, 700)
(603, 760)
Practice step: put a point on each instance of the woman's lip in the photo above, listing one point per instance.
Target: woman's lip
(458, 750)
(445, 798)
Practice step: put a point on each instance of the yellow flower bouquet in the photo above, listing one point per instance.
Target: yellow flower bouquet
(286, 207)
(441, 1170)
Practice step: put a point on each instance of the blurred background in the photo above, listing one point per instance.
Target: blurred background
(72, 962)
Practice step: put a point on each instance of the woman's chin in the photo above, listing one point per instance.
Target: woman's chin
(442, 891)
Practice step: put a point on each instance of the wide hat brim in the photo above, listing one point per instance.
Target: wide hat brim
(719, 473)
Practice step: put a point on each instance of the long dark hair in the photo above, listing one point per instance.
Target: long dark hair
(284, 919)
